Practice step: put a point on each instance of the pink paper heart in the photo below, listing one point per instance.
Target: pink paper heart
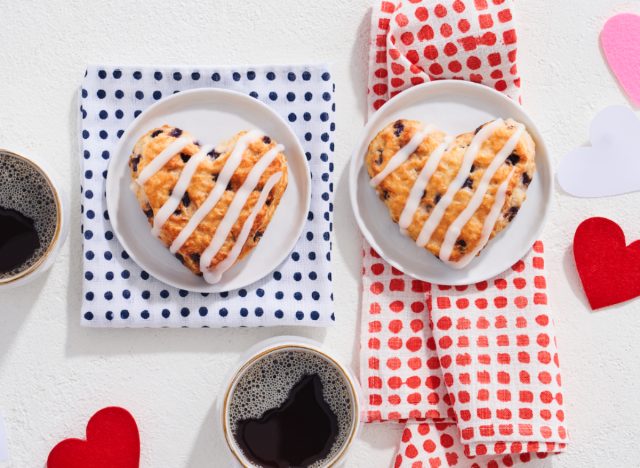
(620, 39)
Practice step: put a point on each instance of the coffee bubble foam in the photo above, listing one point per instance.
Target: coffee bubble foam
(266, 384)
(24, 188)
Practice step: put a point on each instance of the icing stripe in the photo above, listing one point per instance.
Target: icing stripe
(213, 276)
(219, 188)
(465, 168)
(162, 159)
(235, 208)
(455, 228)
(179, 190)
(421, 183)
(402, 155)
(489, 224)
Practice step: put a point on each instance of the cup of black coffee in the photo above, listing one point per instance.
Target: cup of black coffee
(290, 404)
(32, 219)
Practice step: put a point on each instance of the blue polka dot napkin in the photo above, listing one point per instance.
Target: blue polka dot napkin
(117, 292)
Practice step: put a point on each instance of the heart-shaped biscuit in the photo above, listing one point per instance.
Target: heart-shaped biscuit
(452, 194)
(209, 205)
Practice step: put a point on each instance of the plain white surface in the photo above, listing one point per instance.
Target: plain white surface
(212, 116)
(55, 374)
(4, 455)
(461, 107)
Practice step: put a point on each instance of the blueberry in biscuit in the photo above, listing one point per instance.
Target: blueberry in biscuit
(209, 205)
(452, 195)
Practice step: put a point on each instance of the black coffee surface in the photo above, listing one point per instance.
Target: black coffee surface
(291, 408)
(299, 433)
(18, 239)
(28, 215)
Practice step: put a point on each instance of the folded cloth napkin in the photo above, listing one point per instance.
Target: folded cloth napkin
(117, 292)
(472, 371)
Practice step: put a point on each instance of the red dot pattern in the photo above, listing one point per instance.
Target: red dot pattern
(480, 359)
(419, 41)
(472, 370)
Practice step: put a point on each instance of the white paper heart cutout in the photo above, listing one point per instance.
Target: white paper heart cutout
(611, 165)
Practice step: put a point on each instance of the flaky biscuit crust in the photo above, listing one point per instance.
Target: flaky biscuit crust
(395, 188)
(157, 190)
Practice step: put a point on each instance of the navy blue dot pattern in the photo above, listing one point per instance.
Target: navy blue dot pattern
(117, 292)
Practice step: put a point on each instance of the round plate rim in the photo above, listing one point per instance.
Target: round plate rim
(111, 183)
(357, 160)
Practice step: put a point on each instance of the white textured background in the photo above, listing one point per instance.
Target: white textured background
(54, 374)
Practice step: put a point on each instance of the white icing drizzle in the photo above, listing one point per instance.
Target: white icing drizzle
(213, 276)
(465, 168)
(402, 155)
(179, 190)
(212, 199)
(420, 185)
(235, 208)
(489, 224)
(476, 200)
(162, 159)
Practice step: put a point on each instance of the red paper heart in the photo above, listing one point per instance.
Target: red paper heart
(112, 441)
(608, 268)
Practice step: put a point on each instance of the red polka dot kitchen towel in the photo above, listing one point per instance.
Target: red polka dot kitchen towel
(472, 371)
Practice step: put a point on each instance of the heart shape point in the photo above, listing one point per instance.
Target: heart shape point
(620, 39)
(112, 441)
(608, 268)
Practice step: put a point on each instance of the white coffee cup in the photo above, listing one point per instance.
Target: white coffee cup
(47, 257)
(284, 343)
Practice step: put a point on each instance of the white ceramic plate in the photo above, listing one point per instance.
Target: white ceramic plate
(455, 107)
(212, 116)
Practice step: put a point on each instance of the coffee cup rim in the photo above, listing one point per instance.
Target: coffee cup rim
(289, 342)
(58, 235)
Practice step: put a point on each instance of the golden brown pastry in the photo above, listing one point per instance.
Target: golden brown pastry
(209, 205)
(452, 195)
